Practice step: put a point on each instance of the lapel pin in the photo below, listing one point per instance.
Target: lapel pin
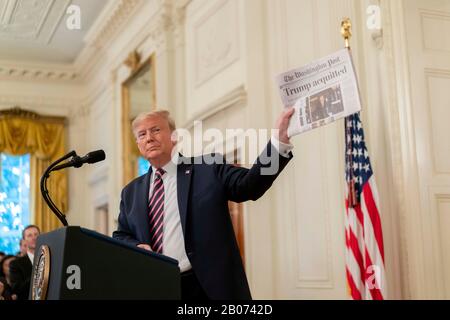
(188, 171)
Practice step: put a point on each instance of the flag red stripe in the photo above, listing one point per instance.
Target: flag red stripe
(363, 229)
(353, 243)
(374, 217)
(354, 292)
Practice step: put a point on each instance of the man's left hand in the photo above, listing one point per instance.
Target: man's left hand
(282, 125)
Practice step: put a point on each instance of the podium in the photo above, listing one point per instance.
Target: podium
(77, 263)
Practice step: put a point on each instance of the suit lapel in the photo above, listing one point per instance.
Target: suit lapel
(184, 173)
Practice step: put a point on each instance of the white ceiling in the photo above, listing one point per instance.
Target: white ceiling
(36, 31)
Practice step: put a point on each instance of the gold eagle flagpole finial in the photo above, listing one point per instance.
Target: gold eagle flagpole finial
(346, 31)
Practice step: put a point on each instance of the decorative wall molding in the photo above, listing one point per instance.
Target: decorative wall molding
(88, 62)
(58, 106)
(133, 60)
(161, 26)
(46, 72)
(216, 47)
(430, 22)
(115, 15)
(439, 197)
(434, 103)
(317, 280)
(81, 111)
(236, 97)
(111, 21)
(179, 20)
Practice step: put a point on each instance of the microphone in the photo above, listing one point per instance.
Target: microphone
(77, 162)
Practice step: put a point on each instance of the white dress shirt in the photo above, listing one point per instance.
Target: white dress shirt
(173, 237)
(30, 256)
(282, 148)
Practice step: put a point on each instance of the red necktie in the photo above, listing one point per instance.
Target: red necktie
(156, 213)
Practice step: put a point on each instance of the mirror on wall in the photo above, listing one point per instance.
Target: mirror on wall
(138, 95)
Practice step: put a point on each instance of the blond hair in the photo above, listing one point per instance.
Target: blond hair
(157, 113)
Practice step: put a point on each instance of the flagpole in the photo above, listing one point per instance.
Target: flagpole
(346, 32)
(368, 246)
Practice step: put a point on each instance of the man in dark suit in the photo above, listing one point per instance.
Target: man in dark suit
(5, 279)
(180, 207)
(20, 269)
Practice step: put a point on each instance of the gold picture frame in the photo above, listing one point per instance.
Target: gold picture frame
(142, 73)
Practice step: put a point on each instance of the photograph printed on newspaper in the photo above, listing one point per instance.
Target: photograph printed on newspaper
(320, 92)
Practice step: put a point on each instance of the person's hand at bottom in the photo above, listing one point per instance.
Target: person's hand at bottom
(144, 246)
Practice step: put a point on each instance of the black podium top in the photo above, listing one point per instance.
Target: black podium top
(84, 264)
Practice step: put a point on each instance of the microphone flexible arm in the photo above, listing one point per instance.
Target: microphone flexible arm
(44, 190)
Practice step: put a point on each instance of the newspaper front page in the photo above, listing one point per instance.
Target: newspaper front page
(320, 92)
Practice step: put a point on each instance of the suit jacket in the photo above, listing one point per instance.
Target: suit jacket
(20, 275)
(203, 194)
(7, 292)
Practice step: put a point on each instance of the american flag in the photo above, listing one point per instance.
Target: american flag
(363, 234)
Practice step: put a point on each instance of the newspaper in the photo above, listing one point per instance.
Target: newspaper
(320, 92)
